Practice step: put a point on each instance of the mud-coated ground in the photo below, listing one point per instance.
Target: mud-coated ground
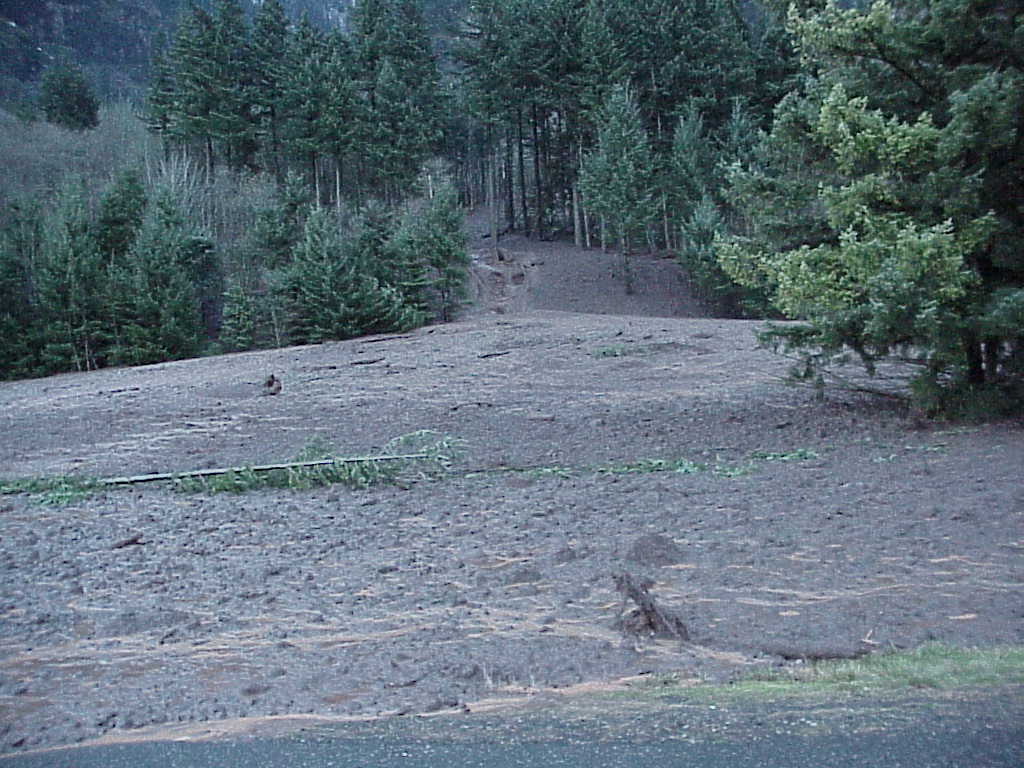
(798, 528)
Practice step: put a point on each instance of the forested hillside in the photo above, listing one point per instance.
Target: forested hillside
(856, 166)
(114, 39)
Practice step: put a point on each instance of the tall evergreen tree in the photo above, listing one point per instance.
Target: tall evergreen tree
(398, 78)
(120, 217)
(431, 248)
(192, 116)
(71, 283)
(234, 74)
(617, 175)
(20, 253)
(304, 99)
(331, 292)
(155, 301)
(269, 47)
(344, 113)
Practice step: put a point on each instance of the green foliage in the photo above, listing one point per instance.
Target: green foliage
(20, 245)
(696, 248)
(933, 665)
(91, 289)
(398, 79)
(156, 302)
(354, 474)
(52, 491)
(120, 216)
(69, 280)
(878, 207)
(616, 176)
(67, 99)
(238, 325)
(420, 454)
(279, 226)
(280, 97)
(431, 247)
(540, 73)
(332, 292)
(646, 466)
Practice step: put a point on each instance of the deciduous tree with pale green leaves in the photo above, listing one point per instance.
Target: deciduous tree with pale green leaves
(884, 209)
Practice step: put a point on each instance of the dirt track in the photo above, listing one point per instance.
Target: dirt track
(799, 529)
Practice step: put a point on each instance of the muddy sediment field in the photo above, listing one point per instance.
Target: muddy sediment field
(771, 527)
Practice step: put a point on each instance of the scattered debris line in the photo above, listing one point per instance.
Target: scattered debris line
(260, 468)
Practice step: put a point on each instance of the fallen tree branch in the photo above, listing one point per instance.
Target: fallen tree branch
(260, 468)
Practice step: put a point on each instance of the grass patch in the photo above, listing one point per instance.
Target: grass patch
(414, 456)
(65, 489)
(418, 455)
(800, 454)
(625, 350)
(644, 466)
(934, 667)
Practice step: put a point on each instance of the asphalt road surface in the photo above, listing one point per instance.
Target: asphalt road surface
(985, 733)
(924, 750)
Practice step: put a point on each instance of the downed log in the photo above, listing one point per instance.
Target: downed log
(648, 618)
(260, 468)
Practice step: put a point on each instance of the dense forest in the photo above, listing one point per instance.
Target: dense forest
(230, 175)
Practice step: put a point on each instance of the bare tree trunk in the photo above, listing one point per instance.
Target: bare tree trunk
(665, 224)
(538, 186)
(493, 195)
(316, 180)
(209, 160)
(523, 201)
(577, 219)
(337, 184)
(508, 178)
(627, 264)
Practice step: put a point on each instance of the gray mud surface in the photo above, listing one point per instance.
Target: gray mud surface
(802, 529)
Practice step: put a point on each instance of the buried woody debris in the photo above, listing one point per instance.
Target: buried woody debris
(648, 619)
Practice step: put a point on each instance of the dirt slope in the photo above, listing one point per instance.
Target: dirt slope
(791, 529)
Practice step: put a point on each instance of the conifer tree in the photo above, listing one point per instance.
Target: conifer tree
(332, 295)
(603, 64)
(343, 111)
(882, 209)
(120, 216)
(270, 41)
(617, 175)
(71, 283)
(67, 99)
(192, 117)
(20, 251)
(304, 99)
(161, 109)
(399, 82)
(155, 294)
(233, 73)
(432, 247)
(238, 327)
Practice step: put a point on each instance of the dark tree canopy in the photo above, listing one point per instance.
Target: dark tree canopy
(67, 98)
